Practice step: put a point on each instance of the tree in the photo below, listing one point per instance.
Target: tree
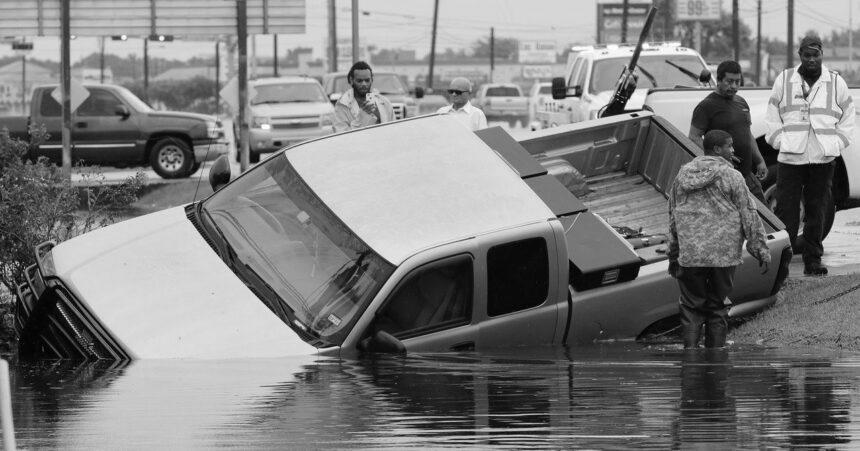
(505, 48)
(717, 38)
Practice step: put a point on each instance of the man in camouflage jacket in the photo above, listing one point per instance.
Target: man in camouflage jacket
(711, 212)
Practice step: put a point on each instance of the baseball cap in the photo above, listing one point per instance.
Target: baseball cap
(810, 41)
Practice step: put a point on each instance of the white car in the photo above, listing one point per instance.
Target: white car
(286, 111)
(539, 94)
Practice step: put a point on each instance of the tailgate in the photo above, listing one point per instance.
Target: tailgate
(508, 103)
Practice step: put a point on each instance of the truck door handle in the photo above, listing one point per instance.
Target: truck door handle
(81, 124)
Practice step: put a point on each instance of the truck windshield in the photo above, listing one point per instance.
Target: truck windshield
(288, 92)
(384, 83)
(653, 71)
(294, 253)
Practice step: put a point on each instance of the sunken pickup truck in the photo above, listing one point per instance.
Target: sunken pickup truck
(114, 127)
(351, 243)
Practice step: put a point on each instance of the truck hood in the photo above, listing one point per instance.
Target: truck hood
(181, 115)
(292, 109)
(163, 292)
(636, 101)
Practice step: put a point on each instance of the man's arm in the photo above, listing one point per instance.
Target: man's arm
(696, 136)
(845, 126)
(672, 247)
(772, 118)
(751, 225)
(757, 159)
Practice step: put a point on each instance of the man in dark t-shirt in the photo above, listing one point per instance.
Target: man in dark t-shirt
(724, 110)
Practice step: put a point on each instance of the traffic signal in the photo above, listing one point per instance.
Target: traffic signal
(161, 37)
(120, 37)
(22, 45)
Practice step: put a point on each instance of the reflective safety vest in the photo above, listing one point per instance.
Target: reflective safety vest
(793, 111)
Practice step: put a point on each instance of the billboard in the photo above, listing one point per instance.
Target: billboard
(701, 10)
(609, 19)
(536, 52)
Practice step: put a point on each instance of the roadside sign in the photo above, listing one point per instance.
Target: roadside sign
(699, 10)
(537, 71)
(77, 94)
(536, 52)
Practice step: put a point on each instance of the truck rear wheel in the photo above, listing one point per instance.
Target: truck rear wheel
(829, 212)
(171, 158)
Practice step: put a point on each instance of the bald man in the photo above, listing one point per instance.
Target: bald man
(459, 93)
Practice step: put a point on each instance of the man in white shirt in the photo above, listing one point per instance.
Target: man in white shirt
(460, 92)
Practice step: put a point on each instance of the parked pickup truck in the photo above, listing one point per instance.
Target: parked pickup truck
(112, 126)
(469, 241)
(593, 72)
(502, 101)
(676, 106)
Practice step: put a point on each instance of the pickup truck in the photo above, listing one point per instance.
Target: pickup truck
(676, 106)
(591, 76)
(353, 243)
(502, 101)
(113, 126)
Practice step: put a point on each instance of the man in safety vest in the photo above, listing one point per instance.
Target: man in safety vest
(810, 119)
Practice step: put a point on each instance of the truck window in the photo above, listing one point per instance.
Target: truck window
(49, 107)
(517, 276)
(435, 297)
(99, 103)
(574, 73)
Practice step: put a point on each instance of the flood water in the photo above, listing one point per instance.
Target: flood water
(614, 396)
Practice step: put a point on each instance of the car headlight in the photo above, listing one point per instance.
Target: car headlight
(263, 122)
(214, 129)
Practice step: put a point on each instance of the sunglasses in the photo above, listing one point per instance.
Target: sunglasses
(456, 92)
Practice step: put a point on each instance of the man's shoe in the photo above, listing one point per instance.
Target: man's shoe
(814, 269)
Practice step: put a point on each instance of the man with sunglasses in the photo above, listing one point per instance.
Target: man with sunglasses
(459, 93)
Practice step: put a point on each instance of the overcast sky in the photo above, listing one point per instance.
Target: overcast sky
(407, 24)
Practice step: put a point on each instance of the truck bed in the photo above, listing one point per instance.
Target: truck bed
(628, 200)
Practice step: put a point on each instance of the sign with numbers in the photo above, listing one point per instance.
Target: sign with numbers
(697, 9)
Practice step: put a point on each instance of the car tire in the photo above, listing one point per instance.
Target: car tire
(829, 213)
(171, 158)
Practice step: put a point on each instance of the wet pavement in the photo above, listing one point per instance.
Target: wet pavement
(841, 247)
(615, 396)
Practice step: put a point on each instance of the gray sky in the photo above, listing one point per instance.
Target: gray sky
(407, 24)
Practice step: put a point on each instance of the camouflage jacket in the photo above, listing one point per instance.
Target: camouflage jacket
(711, 212)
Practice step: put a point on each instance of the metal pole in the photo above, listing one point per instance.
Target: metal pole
(624, 6)
(101, 59)
(332, 37)
(66, 86)
(789, 40)
(433, 44)
(275, 54)
(24, 84)
(736, 40)
(218, 77)
(850, 37)
(6, 407)
(242, 31)
(146, 69)
(758, 45)
(354, 31)
(492, 52)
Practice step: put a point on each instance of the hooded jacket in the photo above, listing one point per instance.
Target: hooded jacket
(711, 212)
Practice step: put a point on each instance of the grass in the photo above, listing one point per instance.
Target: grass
(819, 312)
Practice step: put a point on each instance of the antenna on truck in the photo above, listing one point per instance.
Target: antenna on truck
(627, 82)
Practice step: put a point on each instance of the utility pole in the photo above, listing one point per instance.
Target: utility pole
(218, 77)
(332, 37)
(242, 35)
(789, 40)
(275, 54)
(66, 85)
(433, 44)
(758, 45)
(146, 69)
(736, 39)
(24, 84)
(354, 31)
(851, 36)
(492, 52)
(624, 6)
(101, 59)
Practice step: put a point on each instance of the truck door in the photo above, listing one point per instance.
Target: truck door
(430, 310)
(100, 133)
(521, 288)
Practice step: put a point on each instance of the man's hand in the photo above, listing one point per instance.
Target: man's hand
(674, 268)
(761, 170)
(764, 265)
(369, 107)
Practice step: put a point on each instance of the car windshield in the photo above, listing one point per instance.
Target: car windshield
(384, 83)
(288, 92)
(502, 91)
(545, 89)
(294, 253)
(653, 71)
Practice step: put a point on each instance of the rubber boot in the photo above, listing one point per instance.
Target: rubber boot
(715, 333)
(691, 326)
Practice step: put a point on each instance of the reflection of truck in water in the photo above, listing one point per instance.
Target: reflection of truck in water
(356, 243)
(592, 74)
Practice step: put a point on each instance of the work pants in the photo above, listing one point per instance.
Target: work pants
(810, 183)
(702, 303)
(754, 185)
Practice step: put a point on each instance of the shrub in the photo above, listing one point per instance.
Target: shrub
(39, 203)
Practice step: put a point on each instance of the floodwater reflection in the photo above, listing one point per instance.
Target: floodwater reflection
(610, 397)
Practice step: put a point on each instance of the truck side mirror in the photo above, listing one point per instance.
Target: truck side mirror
(419, 92)
(122, 110)
(383, 343)
(219, 174)
(559, 88)
(705, 76)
